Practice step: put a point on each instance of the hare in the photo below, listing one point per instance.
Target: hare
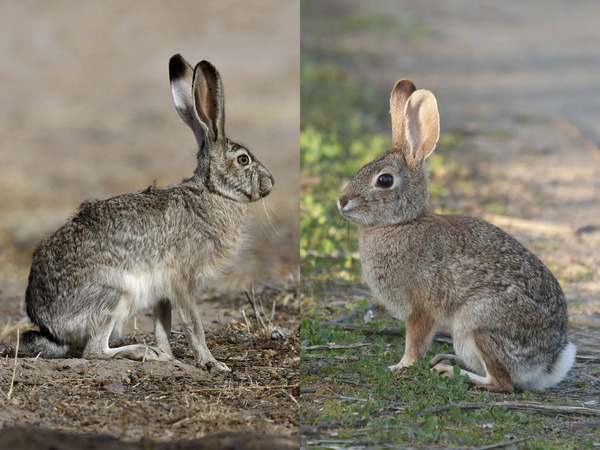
(153, 249)
(503, 307)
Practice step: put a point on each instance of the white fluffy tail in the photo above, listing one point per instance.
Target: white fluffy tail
(542, 379)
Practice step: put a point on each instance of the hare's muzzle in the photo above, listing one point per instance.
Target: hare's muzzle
(266, 185)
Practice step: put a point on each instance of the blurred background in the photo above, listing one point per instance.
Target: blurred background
(518, 89)
(86, 112)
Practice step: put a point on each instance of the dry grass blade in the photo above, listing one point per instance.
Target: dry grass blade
(14, 374)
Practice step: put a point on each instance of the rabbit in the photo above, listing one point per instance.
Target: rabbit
(155, 248)
(453, 273)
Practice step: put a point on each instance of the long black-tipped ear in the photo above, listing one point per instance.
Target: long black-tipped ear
(210, 98)
(181, 76)
(400, 94)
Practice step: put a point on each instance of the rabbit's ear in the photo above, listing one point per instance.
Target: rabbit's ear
(400, 94)
(422, 125)
(181, 76)
(209, 97)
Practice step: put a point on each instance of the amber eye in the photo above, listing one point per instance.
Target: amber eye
(243, 160)
(385, 180)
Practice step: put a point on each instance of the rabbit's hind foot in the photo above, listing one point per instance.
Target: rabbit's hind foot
(499, 382)
(448, 360)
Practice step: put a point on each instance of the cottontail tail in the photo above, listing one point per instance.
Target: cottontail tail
(151, 249)
(504, 309)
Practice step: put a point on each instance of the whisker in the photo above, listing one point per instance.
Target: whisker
(277, 234)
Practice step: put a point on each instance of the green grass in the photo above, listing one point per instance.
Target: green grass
(381, 407)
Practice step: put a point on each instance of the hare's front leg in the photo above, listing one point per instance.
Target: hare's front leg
(194, 331)
(419, 332)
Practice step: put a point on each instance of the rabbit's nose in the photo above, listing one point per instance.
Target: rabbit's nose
(342, 201)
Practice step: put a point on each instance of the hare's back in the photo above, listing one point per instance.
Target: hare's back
(139, 228)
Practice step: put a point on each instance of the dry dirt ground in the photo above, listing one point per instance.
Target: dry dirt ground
(86, 112)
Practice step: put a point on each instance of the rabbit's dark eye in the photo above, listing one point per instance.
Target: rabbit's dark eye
(385, 180)
(243, 160)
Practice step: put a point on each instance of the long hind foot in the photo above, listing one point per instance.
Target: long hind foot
(447, 359)
(137, 352)
(496, 377)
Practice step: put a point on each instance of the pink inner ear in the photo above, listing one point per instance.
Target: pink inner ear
(422, 124)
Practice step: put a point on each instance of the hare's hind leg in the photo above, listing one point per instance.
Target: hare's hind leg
(97, 346)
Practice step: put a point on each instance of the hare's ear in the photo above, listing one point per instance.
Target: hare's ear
(422, 125)
(181, 76)
(400, 94)
(209, 98)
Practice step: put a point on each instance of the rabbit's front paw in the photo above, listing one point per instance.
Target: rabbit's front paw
(398, 367)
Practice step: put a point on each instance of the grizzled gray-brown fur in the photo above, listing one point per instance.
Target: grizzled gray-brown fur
(503, 307)
(151, 249)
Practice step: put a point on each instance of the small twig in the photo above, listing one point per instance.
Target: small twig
(239, 388)
(343, 397)
(310, 390)
(365, 330)
(270, 286)
(259, 319)
(12, 381)
(501, 444)
(336, 358)
(588, 358)
(273, 310)
(338, 346)
(293, 399)
(527, 406)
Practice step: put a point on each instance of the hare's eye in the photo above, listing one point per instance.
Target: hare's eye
(385, 180)
(243, 160)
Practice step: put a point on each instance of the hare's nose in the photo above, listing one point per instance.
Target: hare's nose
(266, 184)
(342, 201)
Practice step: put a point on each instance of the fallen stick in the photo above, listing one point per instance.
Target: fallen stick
(337, 346)
(239, 388)
(526, 406)
(365, 330)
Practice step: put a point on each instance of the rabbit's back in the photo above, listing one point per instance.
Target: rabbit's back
(455, 262)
